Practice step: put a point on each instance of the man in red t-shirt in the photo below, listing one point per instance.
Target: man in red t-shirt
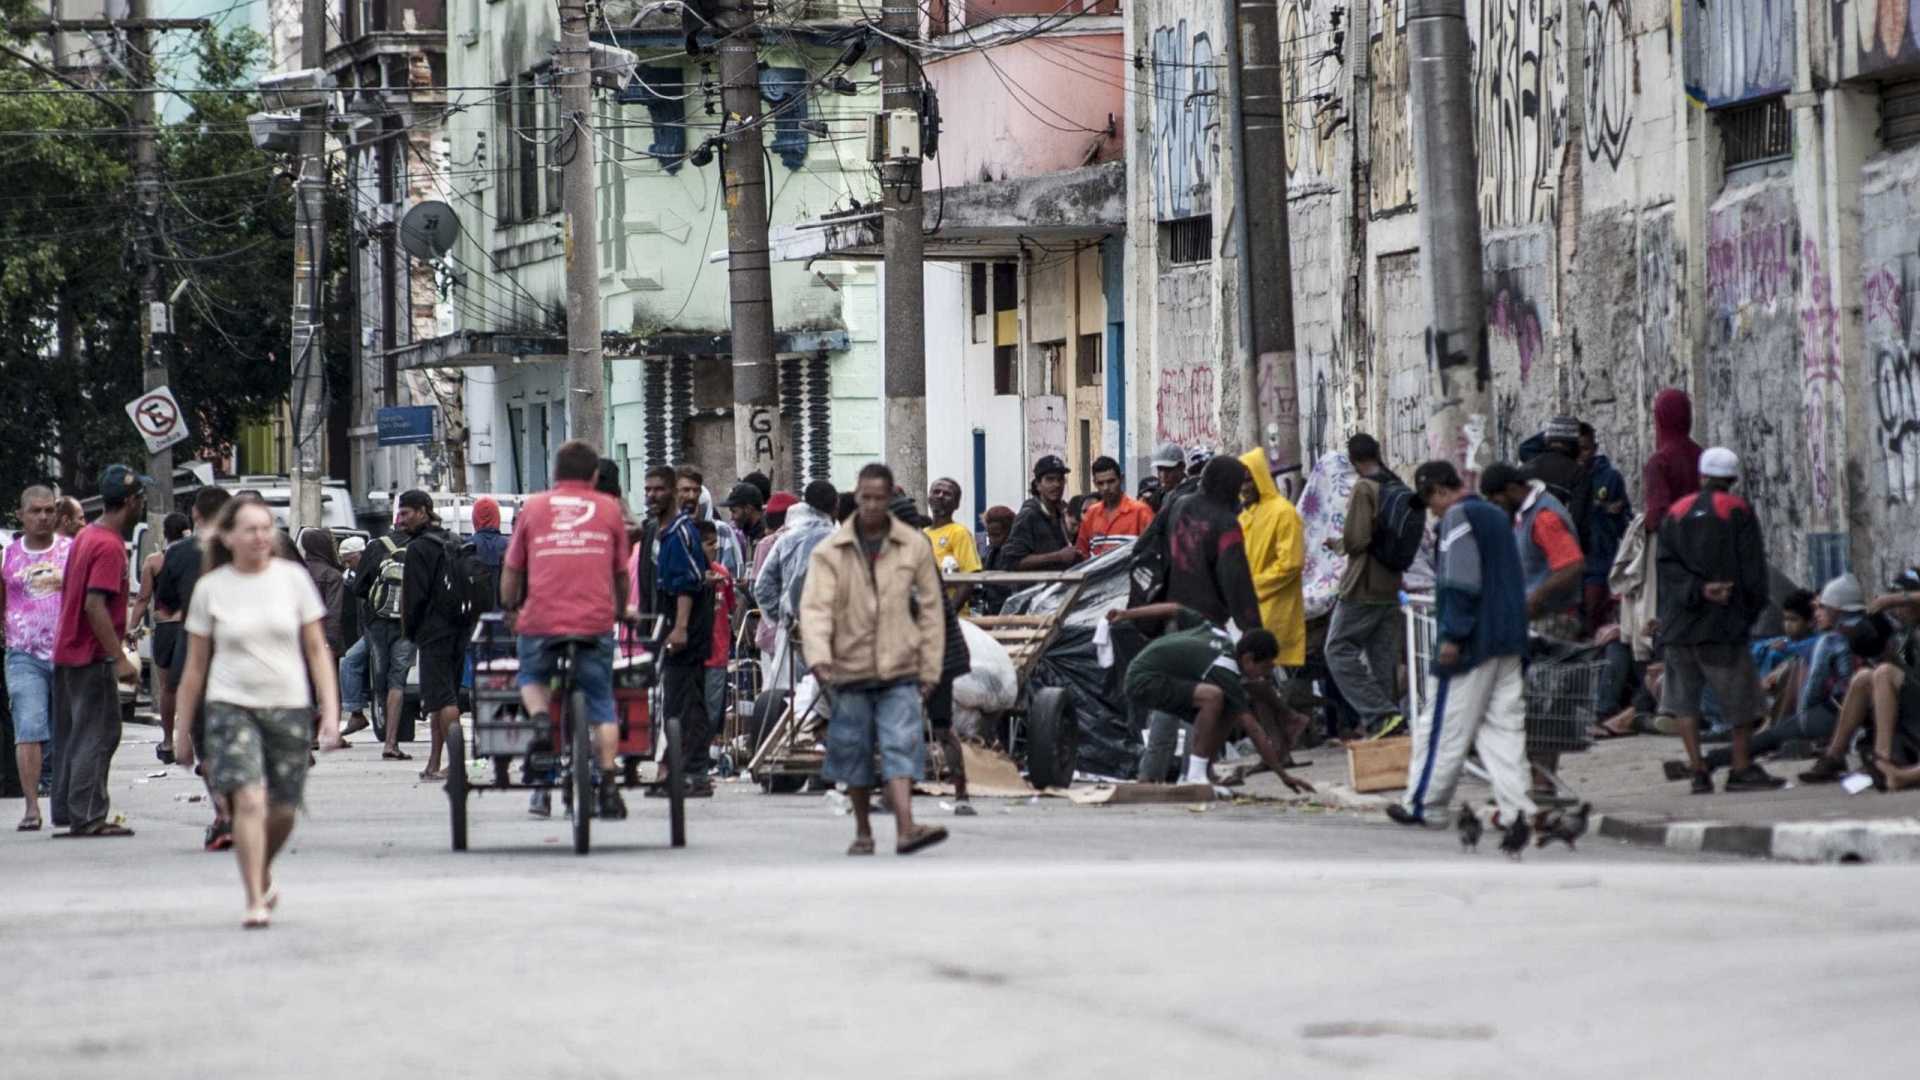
(90, 657)
(725, 605)
(565, 575)
(1113, 519)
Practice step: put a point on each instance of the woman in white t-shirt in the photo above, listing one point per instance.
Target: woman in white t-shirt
(254, 636)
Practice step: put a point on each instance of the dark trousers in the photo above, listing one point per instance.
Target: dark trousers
(86, 733)
(683, 692)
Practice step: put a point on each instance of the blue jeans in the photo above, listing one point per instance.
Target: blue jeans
(353, 678)
(884, 720)
(592, 672)
(30, 692)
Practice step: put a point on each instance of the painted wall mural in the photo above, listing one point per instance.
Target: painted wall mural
(1185, 84)
(1612, 80)
(1389, 120)
(1876, 34)
(1520, 98)
(1310, 63)
(1739, 50)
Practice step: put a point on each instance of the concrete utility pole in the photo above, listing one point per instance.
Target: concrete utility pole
(757, 431)
(309, 253)
(903, 225)
(1440, 65)
(1270, 415)
(156, 326)
(586, 372)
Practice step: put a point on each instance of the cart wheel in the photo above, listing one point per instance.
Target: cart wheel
(767, 710)
(1053, 738)
(582, 767)
(457, 784)
(676, 784)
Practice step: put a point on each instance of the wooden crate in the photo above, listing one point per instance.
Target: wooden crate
(1378, 764)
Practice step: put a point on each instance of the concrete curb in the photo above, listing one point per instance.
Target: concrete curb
(1894, 840)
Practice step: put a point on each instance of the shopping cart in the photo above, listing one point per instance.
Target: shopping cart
(1561, 681)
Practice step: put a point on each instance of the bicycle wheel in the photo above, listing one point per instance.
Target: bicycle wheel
(582, 767)
(457, 784)
(676, 784)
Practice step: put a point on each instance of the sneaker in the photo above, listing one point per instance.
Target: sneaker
(1828, 770)
(1388, 725)
(612, 806)
(1400, 815)
(1703, 783)
(540, 804)
(1754, 778)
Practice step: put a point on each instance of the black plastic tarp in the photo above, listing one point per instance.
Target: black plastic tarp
(1109, 745)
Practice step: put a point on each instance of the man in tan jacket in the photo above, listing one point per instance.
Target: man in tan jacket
(873, 628)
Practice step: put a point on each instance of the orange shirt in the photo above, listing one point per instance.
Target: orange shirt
(1102, 530)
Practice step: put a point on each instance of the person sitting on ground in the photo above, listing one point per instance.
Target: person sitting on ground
(1801, 630)
(1881, 694)
(1197, 672)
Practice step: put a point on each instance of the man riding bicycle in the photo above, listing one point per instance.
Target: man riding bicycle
(565, 577)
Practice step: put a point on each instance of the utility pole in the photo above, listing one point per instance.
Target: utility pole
(757, 431)
(309, 255)
(1270, 409)
(586, 373)
(903, 232)
(1440, 65)
(156, 325)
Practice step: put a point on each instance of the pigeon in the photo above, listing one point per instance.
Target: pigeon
(1566, 827)
(1470, 828)
(1514, 843)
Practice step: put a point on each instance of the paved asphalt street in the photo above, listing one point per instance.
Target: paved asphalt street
(1043, 940)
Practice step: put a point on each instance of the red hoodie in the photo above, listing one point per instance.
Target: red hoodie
(1673, 471)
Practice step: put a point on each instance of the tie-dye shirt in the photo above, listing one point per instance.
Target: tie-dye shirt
(33, 594)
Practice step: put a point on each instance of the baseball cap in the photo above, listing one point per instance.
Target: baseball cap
(1167, 455)
(1563, 429)
(744, 494)
(1050, 465)
(1198, 457)
(1720, 463)
(781, 502)
(121, 482)
(352, 545)
(1844, 594)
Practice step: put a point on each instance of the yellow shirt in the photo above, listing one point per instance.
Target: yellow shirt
(953, 539)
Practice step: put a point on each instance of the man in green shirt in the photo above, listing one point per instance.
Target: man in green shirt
(1196, 671)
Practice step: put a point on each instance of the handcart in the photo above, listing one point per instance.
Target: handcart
(1560, 691)
(788, 749)
(1042, 725)
(560, 755)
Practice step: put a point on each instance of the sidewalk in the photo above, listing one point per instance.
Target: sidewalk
(1634, 802)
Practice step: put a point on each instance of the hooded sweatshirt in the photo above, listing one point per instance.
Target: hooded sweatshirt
(1673, 471)
(1207, 555)
(1276, 543)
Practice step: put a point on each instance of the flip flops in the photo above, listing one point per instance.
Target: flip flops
(862, 845)
(31, 824)
(99, 829)
(922, 836)
(395, 755)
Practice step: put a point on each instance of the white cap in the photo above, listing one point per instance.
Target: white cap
(352, 545)
(1844, 594)
(1720, 463)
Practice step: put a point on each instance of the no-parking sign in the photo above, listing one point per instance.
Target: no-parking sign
(158, 418)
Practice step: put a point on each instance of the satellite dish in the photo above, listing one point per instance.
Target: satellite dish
(428, 229)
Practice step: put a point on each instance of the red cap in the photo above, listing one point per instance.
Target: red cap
(781, 502)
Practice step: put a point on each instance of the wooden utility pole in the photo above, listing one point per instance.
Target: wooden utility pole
(904, 238)
(586, 372)
(757, 431)
(309, 256)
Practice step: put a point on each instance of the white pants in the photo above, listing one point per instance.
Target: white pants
(1484, 709)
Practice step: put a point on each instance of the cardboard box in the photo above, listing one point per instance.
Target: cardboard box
(1378, 764)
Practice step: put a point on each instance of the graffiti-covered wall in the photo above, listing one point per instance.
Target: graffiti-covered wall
(1890, 238)
(1738, 50)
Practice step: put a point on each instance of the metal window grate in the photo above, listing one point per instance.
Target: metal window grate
(1189, 240)
(1755, 133)
(1900, 114)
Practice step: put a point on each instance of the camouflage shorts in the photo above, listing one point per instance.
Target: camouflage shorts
(254, 746)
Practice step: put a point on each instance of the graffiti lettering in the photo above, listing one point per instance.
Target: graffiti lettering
(1185, 104)
(1306, 66)
(1389, 134)
(1520, 86)
(1820, 342)
(1610, 91)
(1661, 268)
(1740, 51)
(1514, 321)
(1896, 379)
(1750, 252)
(760, 420)
(1184, 408)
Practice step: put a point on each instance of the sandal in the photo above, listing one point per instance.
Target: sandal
(1603, 732)
(257, 919)
(922, 836)
(104, 828)
(862, 845)
(219, 836)
(31, 824)
(430, 775)
(395, 755)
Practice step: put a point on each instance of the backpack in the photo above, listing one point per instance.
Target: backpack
(464, 586)
(1399, 525)
(384, 593)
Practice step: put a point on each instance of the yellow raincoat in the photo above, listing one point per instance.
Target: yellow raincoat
(1276, 544)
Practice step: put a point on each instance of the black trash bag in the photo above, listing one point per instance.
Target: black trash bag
(1109, 742)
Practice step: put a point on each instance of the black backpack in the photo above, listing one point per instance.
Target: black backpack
(465, 587)
(1399, 524)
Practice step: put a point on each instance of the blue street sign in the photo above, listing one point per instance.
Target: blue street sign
(404, 425)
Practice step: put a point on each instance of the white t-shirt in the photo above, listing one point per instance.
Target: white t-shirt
(254, 622)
